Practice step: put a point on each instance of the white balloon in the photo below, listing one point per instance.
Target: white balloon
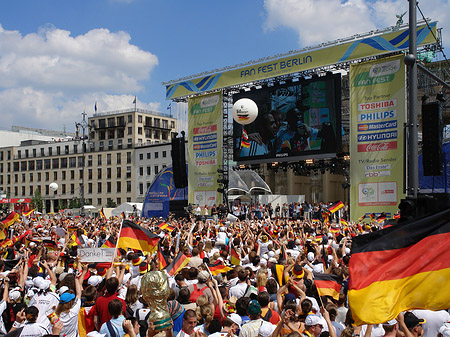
(53, 186)
(245, 111)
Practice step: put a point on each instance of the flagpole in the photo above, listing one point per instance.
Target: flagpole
(117, 243)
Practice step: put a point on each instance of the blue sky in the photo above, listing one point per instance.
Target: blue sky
(57, 58)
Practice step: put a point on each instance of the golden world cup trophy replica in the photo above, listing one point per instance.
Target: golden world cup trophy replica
(155, 291)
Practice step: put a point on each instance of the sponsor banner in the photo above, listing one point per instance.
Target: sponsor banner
(377, 104)
(15, 201)
(205, 148)
(303, 60)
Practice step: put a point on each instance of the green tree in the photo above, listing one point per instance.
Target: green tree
(37, 202)
(110, 203)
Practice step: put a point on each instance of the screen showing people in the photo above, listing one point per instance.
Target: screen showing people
(295, 119)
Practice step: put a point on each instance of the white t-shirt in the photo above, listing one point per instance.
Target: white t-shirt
(70, 320)
(46, 304)
(434, 320)
(238, 290)
(33, 330)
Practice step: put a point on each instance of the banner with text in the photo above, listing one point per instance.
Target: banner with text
(377, 103)
(205, 148)
(364, 45)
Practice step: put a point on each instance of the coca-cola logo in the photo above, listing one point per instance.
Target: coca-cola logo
(375, 147)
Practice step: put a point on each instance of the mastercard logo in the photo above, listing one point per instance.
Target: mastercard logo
(363, 127)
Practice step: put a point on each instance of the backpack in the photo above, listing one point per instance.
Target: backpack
(196, 293)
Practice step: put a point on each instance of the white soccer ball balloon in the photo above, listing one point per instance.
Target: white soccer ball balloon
(53, 186)
(245, 111)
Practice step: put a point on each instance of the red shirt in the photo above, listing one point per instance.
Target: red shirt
(100, 307)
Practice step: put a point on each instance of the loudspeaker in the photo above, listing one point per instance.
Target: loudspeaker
(179, 163)
(178, 207)
(432, 158)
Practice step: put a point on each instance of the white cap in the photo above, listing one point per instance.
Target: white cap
(14, 294)
(273, 260)
(391, 322)
(271, 253)
(95, 280)
(263, 261)
(310, 256)
(236, 319)
(312, 320)
(62, 290)
(40, 283)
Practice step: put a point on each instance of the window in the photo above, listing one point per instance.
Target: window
(128, 199)
(172, 124)
(119, 158)
(120, 121)
(141, 188)
(128, 186)
(55, 175)
(16, 166)
(99, 201)
(139, 130)
(102, 123)
(99, 173)
(130, 130)
(130, 143)
(108, 187)
(99, 160)
(119, 172)
(19, 154)
(99, 187)
(141, 171)
(39, 176)
(55, 163)
(58, 150)
(72, 188)
(23, 190)
(111, 122)
(34, 154)
(72, 161)
(63, 188)
(47, 164)
(110, 145)
(156, 155)
(81, 174)
(80, 161)
(16, 178)
(165, 124)
(149, 155)
(120, 132)
(63, 163)
(139, 118)
(23, 165)
(156, 169)
(108, 173)
(141, 156)
(149, 170)
(63, 175)
(50, 151)
(128, 171)
(47, 176)
(130, 118)
(90, 174)
(31, 177)
(89, 161)
(75, 148)
(119, 144)
(72, 174)
(119, 186)
(108, 159)
(38, 164)
(164, 154)
(128, 157)
(90, 188)
(23, 177)
(100, 145)
(119, 201)
(66, 149)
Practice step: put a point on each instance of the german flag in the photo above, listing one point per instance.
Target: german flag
(166, 226)
(361, 218)
(327, 285)
(77, 240)
(10, 219)
(218, 268)
(235, 257)
(2, 234)
(381, 218)
(102, 214)
(406, 266)
(279, 273)
(178, 263)
(72, 229)
(29, 241)
(122, 215)
(6, 243)
(136, 237)
(336, 206)
(343, 222)
(29, 212)
(163, 263)
(110, 243)
(50, 244)
(283, 253)
(244, 140)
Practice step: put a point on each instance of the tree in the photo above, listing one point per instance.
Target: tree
(110, 203)
(36, 201)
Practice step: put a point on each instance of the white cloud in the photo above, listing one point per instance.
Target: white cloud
(318, 21)
(49, 77)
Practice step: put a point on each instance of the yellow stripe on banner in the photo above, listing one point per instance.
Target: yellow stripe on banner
(127, 242)
(328, 292)
(384, 300)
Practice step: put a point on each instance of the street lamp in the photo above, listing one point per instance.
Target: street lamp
(83, 125)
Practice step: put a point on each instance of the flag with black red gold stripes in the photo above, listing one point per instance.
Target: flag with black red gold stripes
(402, 267)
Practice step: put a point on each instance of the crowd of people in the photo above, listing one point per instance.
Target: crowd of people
(267, 289)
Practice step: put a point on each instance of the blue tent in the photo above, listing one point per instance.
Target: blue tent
(436, 184)
(160, 193)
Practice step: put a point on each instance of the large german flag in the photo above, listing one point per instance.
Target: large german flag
(402, 267)
(162, 260)
(235, 257)
(110, 243)
(10, 219)
(218, 268)
(178, 263)
(327, 285)
(336, 206)
(136, 237)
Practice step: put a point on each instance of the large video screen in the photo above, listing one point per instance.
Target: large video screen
(297, 120)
